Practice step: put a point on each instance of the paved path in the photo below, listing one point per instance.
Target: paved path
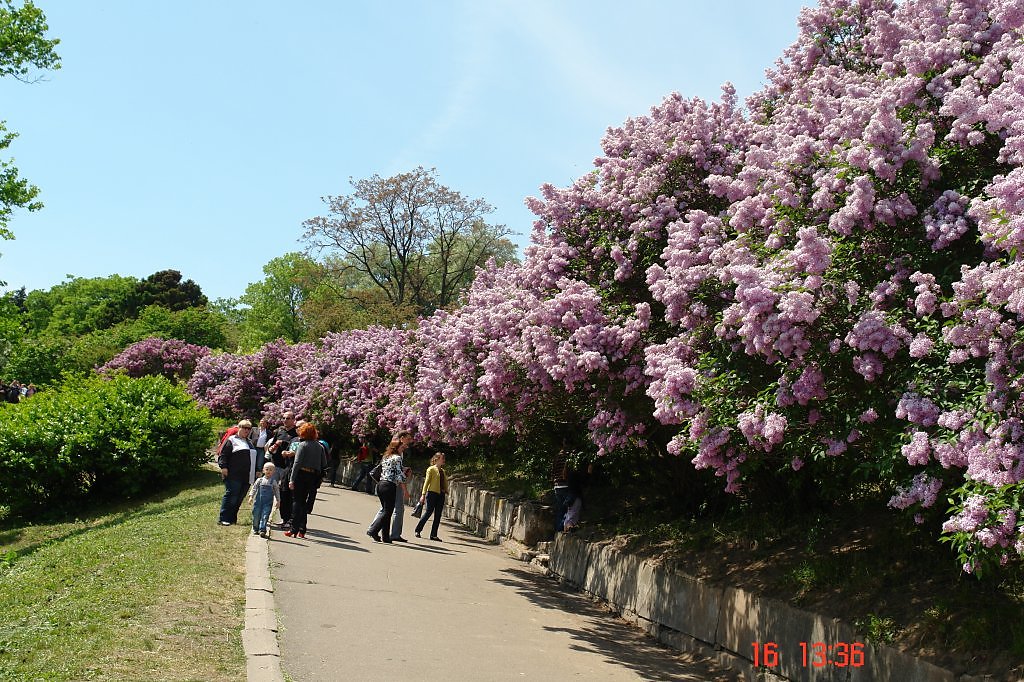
(353, 609)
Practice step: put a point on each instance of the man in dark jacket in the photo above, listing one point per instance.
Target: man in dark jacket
(282, 459)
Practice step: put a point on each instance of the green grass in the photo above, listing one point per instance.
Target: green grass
(151, 591)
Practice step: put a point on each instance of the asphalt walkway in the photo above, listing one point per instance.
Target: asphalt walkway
(462, 609)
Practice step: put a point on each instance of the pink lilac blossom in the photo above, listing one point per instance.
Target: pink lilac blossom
(923, 490)
(170, 358)
(799, 242)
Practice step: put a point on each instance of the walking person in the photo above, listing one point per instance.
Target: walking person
(391, 485)
(435, 487)
(311, 496)
(264, 495)
(310, 462)
(365, 458)
(237, 461)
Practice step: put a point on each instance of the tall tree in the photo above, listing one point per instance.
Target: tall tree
(166, 289)
(275, 304)
(23, 49)
(416, 240)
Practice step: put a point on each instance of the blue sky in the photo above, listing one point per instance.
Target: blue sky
(198, 135)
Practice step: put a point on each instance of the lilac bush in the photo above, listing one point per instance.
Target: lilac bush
(170, 358)
(233, 385)
(848, 247)
(820, 284)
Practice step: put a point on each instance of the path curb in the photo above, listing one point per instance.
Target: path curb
(259, 638)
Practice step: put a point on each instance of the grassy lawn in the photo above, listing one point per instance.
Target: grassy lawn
(154, 590)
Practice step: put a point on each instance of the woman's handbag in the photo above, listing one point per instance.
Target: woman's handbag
(418, 509)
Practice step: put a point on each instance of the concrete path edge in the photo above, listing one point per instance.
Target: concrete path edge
(259, 636)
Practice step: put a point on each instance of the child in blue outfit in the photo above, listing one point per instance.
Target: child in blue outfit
(265, 496)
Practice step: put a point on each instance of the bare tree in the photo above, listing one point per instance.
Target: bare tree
(416, 240)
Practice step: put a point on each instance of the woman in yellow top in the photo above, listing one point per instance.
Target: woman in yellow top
(435, 485)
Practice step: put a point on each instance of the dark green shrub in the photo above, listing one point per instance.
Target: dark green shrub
(93, 439)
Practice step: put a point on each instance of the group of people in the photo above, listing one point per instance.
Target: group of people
(15, 392)
(294, 461)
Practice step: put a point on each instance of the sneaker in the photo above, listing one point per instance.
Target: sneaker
(255, 532)
(263, 533)
(288, 534)
(375, 536)
(436, 539)
(418, 534)
(301, 534)
(225, 523)
(399, 539)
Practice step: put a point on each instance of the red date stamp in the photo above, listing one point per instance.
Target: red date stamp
(812, 654)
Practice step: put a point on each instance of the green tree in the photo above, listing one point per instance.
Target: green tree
(80, 305)
(410, 237)
(273, 308)
(166, 289)
(199, 325)
(24, 48)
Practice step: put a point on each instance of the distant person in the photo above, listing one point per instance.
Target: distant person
(365, 458)
(265, 495)
(334, 455)
(261, 436)
(578, 479)
(435, 487)
(237, 461)
(560, 483)
(310, 462)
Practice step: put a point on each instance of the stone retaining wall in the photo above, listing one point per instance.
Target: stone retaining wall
(680, 611)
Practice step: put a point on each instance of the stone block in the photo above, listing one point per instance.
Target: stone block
(260, 642)
(261, 619)
(532, 524)
(885, 663)
(263, 669)
(746, 618)
(259, 583)
(259, 599)
(569, 559)
(682, 603)
(256, 562)
(612, 576)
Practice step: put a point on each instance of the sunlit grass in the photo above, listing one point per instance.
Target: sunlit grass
(151, 591)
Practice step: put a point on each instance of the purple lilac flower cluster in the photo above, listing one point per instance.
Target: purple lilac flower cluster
(170, 358)
(843, 251)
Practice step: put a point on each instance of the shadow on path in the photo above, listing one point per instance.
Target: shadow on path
(616, 640)
(322, 537)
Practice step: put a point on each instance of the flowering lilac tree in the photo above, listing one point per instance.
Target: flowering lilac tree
(234, 385)
(823, 286)
(170, 358)
(849, 286)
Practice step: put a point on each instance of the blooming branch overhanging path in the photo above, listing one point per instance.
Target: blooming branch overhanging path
(461, 609)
